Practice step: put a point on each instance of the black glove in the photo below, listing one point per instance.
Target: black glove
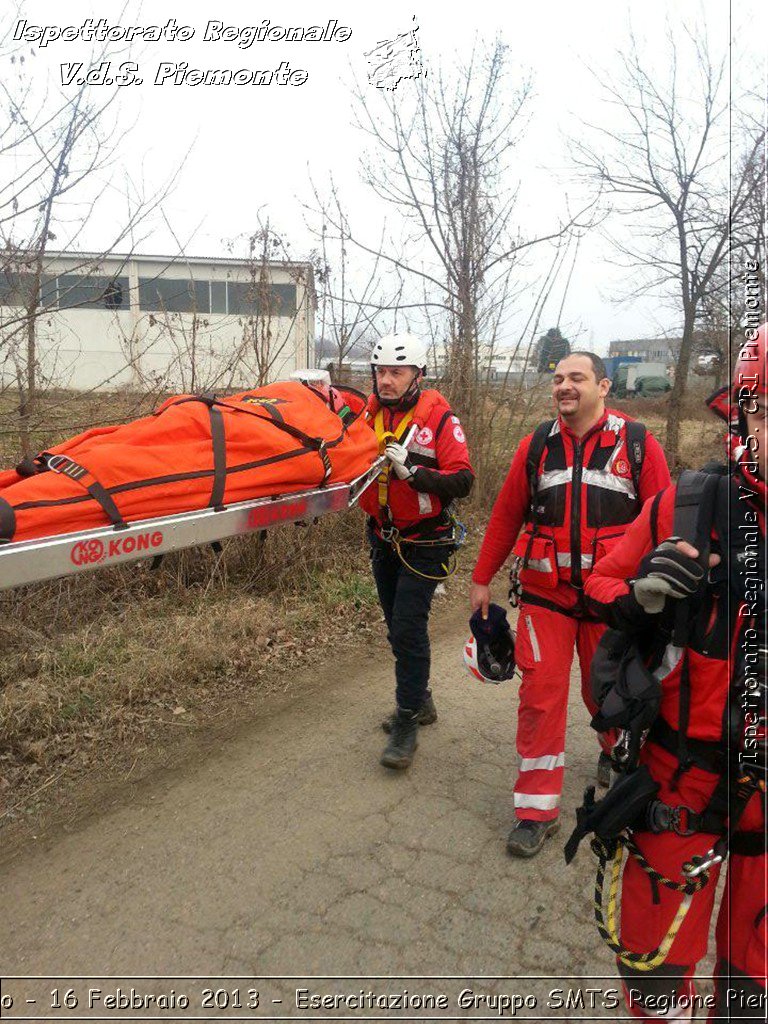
(666, 572)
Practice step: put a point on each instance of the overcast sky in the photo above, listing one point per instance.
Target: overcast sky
(253, 146)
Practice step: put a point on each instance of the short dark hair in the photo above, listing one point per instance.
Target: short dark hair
(598, 365)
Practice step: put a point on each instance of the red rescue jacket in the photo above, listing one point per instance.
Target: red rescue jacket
(723, 628)
(585, 497)
(439, 451)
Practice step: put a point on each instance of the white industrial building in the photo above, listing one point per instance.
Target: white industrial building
(139, 321)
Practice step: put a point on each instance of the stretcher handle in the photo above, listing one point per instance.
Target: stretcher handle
(359, 484)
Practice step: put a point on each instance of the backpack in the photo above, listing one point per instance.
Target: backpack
(626, 692)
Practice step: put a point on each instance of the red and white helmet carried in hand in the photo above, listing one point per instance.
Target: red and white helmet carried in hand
(489, 653)
(484, 666)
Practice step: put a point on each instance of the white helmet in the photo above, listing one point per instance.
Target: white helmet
(488, 666)
(400, 350)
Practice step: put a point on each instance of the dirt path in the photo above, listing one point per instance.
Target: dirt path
(291, 850)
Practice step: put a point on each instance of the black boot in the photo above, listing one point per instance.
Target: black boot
(427, 714)
(402, 741)
(527, 837)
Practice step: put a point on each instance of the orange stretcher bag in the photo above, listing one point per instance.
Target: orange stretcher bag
(193, 452)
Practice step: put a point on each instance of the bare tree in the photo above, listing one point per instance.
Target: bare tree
(662, 158)
(60, 152)
(268, 315)
(350, 301)
(440, 159)
(739, 283)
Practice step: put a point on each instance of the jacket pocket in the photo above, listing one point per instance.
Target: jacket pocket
(603, 544)
(539, 560)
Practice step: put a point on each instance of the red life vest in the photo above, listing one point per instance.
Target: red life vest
(408, 507)
(584, 493)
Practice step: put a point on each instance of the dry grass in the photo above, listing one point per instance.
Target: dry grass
(99, 665)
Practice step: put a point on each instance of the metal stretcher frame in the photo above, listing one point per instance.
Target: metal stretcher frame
(47, 558)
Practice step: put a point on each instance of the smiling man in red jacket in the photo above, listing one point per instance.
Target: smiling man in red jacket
(575, 484)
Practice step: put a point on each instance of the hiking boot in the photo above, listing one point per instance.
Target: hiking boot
(398, 753)
(427, 714)
(604, 769)
(527, 837)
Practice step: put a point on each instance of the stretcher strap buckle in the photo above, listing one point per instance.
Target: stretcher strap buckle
(64, 465)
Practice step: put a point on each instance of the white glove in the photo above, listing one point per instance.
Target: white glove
(651, 593)
(400, 460)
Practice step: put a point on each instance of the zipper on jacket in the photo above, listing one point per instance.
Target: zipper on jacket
(578, 451)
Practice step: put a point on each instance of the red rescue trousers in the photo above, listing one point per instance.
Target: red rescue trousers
(647, 911)
(544, 653)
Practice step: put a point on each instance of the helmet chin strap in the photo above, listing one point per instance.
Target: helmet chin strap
(407, 400)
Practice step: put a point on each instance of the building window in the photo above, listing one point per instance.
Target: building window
(218, 296)
(78, 291)
(244, 299)
(16, 289)
(172, 295)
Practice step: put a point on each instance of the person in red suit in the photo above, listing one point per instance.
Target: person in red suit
(573, 487)
(707, 746)
(409, 524)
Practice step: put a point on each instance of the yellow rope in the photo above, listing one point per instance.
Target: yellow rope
(449, 567)
(609, 932)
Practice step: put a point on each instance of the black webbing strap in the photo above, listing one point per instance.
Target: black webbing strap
(709, 755)
(535, 451)
(315, 444)
(576, 611)
(218, 441)
(7, 521)
(65, 466)
(684, 714)
(635, 434)
(655, 518)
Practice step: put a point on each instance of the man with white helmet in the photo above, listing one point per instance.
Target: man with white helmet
(409, 526)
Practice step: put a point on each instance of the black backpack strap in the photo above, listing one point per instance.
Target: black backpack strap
(695, 497)
(635, 433)
(443, 420)
(655, 518)
(535, 451)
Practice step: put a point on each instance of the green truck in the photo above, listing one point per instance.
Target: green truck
(646, 380)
